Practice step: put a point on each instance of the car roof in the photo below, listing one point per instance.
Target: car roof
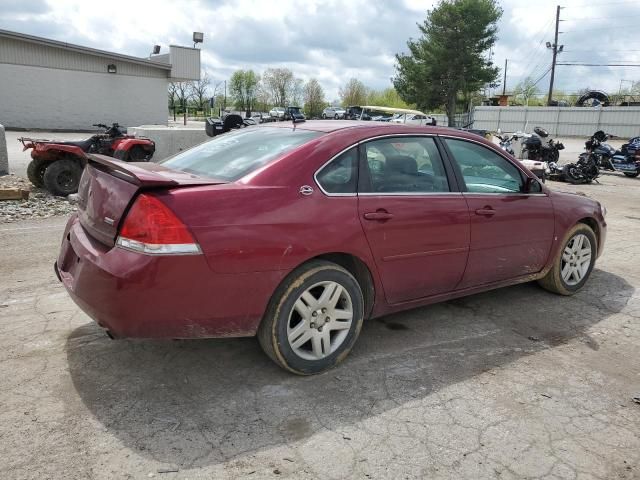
(371, 127)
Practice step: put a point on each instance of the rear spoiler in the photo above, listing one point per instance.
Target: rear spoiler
(147, 174)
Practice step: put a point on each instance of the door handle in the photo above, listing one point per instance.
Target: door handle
(379, 215)
(486, 211)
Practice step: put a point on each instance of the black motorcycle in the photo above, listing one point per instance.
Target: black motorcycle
(533, 147)
(625, 160)
(585, 170)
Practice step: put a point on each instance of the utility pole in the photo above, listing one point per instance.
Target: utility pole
(555, 49)
(504, 82)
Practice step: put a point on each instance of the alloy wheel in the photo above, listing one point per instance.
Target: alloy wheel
(576, 259)
(320, 320)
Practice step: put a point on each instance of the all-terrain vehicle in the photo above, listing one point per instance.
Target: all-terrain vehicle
(57, 165)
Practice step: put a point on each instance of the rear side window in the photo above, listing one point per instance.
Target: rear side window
(339, 176)
(483, 170)
(233, 155)
(404, 165)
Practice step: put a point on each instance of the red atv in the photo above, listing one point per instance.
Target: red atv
(57, 166)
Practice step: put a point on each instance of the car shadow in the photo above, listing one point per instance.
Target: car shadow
(201, 402)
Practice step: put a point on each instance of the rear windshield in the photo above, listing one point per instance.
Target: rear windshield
(233, 155)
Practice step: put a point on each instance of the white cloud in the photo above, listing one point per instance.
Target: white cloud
(334, 40)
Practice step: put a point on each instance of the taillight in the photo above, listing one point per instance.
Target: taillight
(151, 227)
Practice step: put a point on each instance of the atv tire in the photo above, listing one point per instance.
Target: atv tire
(35, 172)
(137, 154)
(62, 177)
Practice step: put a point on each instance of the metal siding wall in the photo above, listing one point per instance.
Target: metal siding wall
(185, 63)
(46, 98)
(28, 53)
(560, 121)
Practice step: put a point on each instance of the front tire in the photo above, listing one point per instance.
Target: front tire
(35, 172)
(574, 263)
(313, 319)
(324, 116)
(62, 177)
(137, 154)
(632, 174)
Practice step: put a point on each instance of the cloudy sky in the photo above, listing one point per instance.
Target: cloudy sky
(334, 40)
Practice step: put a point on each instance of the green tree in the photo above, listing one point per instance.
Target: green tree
(388, 97)
(525, 91)
(314, 101)
(353, 93)
(449, 59)
(281, 84)
(243, 87)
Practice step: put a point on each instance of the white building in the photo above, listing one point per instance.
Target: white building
(46, 84)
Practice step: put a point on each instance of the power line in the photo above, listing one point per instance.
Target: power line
(599, 64)
(603, 3)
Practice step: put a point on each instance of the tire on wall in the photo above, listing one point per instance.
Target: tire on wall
(35, 172)
(579, 247)
(313, 318)
(62, 177)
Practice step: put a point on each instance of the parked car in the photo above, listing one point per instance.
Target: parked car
(283, 233)
(277, 113)
(413, 119)
(294, 113)
(333, 112)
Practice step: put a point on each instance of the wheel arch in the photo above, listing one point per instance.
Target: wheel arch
(593, 224)
(354, 265)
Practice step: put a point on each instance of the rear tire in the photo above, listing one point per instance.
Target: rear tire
(308, 333)
(570, 175)
(62, 177)
(579, 247)
(632, 174)
(35, 172)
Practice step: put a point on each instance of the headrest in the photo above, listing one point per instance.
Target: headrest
(402, 164)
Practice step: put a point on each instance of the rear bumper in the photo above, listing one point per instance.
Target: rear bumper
(143, 296)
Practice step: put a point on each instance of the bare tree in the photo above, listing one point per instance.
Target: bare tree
(184, 92)
(353, 93)
(297, 92)
(172, 99)
(200, 91)
(314, 100)
(280, 83)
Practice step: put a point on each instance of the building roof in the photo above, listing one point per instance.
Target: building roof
(80, 49)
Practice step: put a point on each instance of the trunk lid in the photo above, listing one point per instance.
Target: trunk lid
(108, 187)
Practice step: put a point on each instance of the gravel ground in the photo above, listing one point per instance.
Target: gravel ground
(41, 204)
(514, 384)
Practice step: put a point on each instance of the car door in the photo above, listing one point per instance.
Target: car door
(416, 225)
(511, 229)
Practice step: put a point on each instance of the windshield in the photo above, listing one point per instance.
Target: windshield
(233, 155)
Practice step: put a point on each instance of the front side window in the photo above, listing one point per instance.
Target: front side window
(404, 165)
(483, 170)
(235, 154)
(339, 176)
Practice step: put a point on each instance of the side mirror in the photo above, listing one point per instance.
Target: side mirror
(531, 185)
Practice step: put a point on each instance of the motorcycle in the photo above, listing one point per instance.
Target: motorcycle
(585, 170)
(57, 165)
(534, 149)
(538, 168)
(626, 160)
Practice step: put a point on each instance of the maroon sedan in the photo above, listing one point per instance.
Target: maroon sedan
(297, 233)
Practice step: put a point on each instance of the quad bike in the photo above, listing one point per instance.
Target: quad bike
(57, 165)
